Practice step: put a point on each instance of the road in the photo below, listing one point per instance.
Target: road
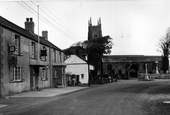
(125, 97)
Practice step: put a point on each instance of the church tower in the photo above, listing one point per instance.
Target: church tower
(94, 31)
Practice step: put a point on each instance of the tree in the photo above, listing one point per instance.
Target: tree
(75, 50)
(164, 49)
(95, 49)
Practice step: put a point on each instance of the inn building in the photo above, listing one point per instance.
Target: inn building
(28, 61)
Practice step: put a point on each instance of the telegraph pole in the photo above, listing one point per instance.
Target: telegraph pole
(38, 35)
(88, 64)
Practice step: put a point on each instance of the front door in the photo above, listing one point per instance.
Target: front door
(34, 73)
(32, 79)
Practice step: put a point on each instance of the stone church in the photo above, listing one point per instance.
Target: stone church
(94, 31)
(124, 66)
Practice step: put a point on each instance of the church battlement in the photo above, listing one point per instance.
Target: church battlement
(94, 31)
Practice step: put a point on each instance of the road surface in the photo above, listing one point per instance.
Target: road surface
(125, 97)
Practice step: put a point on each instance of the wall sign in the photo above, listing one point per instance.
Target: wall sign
(13, 61)
(12, 48)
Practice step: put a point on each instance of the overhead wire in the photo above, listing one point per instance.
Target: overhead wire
(42, 17)
(55, 21)
(20, 3)
(74, 9)
(58, 19)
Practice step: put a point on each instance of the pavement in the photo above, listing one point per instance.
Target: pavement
(48, 92)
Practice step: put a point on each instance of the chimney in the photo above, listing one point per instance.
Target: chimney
(45, 34)
(29, 25)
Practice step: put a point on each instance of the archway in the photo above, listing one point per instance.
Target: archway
(131, 70)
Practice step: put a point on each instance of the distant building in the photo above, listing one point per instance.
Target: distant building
(129, 66)
(25, 65)
(78, 67)
(94, 31)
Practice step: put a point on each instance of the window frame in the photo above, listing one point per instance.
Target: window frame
(44, 74)
(54, 56)
(56, 74)
(33, 50)
(82, 76)
(17, 69)
(17, 41)
(43, 58)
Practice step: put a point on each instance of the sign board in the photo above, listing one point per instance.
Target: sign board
(12, 48)
(13, 61)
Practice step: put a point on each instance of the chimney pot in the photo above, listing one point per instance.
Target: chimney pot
(45, 34)
(29, 24)
(27, 19)
(31, 19)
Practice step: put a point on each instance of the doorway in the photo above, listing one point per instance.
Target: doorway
(34, 73)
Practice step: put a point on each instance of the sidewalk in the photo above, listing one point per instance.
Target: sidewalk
(49, 92)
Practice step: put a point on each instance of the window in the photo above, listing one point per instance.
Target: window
(55, 73)
(44, 74)
(17, 41)
(54, 56)
(60, 57)
(33, 50)
(82, 76)
(43, 53)
(17, 73)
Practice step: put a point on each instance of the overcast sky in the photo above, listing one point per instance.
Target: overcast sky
(135, 25)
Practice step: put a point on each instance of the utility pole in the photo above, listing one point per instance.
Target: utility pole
(38, 35)
(88, 64)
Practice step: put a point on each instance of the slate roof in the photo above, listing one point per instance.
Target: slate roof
(131, 58)
(7, 24)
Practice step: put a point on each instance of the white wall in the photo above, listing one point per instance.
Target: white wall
(79, 69)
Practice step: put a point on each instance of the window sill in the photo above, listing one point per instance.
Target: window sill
(44, 79)
(17, 81)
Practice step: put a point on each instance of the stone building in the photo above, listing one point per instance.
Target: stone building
(94, 31)
(28, 61)
(129, 66)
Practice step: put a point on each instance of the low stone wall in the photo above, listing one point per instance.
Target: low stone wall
(162, 76)
(154, 76)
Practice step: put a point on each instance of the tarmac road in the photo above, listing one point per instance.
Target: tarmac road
(129, 97)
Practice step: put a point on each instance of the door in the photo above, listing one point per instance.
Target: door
(34, 73)
(32, 79)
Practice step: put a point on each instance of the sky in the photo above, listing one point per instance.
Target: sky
(136, 26)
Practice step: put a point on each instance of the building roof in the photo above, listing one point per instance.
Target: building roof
(131, 58)
(7, 24)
